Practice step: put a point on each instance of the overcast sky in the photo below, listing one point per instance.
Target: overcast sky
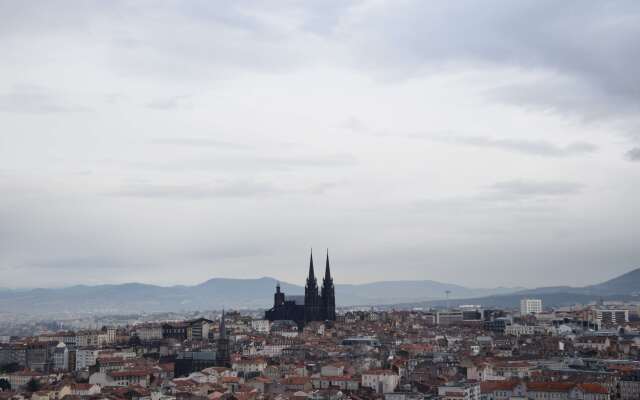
(482, 143)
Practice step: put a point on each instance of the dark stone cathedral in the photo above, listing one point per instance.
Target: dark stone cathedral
(313, 306)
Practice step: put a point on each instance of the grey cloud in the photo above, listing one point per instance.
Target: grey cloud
(321, 188)
(224, 189)
(563, 96)
(32, 99)
(114, 98)
(246, 249)
(354, 124)
(230, 189)
(633, 154)
(513, 197)
(333, 160)
(592, 44)
(523, 188)
(78, 263)
(540, 148)
(245, 162)
(531, 147)
(201, 142)
(569, 58)
(169, 103)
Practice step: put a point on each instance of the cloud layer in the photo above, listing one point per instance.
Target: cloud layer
(483, 144)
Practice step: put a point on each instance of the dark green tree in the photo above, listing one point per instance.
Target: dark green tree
(134, 341)
(4, 385)
(33, 385)
(9, 367)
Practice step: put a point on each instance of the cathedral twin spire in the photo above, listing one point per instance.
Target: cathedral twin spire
(311, 279)
(327, 273)
(319, 306)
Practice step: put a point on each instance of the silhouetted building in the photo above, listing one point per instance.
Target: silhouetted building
(223, 358)
(315, 305)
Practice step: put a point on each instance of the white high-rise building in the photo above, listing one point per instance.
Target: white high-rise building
(530, 306)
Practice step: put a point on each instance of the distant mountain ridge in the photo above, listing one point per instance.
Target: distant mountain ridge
(625, 283)
(258, 293)
(620, 288)
(217, 293)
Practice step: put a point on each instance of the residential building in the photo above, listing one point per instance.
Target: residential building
(380, 380)
(530, 306)
(460, 391)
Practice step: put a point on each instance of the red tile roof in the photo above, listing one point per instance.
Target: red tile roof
(129, 373)
(492, 386)
(549, 386)
(595, 388)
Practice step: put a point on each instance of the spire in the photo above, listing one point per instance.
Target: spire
(328, 308)
(311, 273)
(327, 271)
(222, 328)
(222, 345)
(311, 279)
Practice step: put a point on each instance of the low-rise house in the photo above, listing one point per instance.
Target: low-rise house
(590, 391)
(231, 383)
(110, 363)
(380, 380)
(332, 370)
(260, 383)
(629, 386)
(296, 383)
(247, 366)
(460, 391)
(598, 343)
(519, 330)
(479, 370)
(342, 382)
(139, 377)
(513, 369)
(549, 390)
(502, 390)
(84, 389)
(21, 378)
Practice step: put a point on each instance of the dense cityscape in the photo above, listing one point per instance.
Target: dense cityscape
(303, 348)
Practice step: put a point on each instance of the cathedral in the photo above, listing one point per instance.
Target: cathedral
(315, 305)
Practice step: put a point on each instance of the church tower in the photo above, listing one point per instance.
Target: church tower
(328, 294)
(223, 358)
(278, 297)
(311, 296)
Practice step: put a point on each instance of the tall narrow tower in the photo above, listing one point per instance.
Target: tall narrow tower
(278, 297)
(223, 358)
(311, 296)
(328, 294)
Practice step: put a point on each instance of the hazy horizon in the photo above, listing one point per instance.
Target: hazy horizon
(301, 284)
(485, 144)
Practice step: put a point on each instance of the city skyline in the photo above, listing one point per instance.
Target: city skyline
(465, 172)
